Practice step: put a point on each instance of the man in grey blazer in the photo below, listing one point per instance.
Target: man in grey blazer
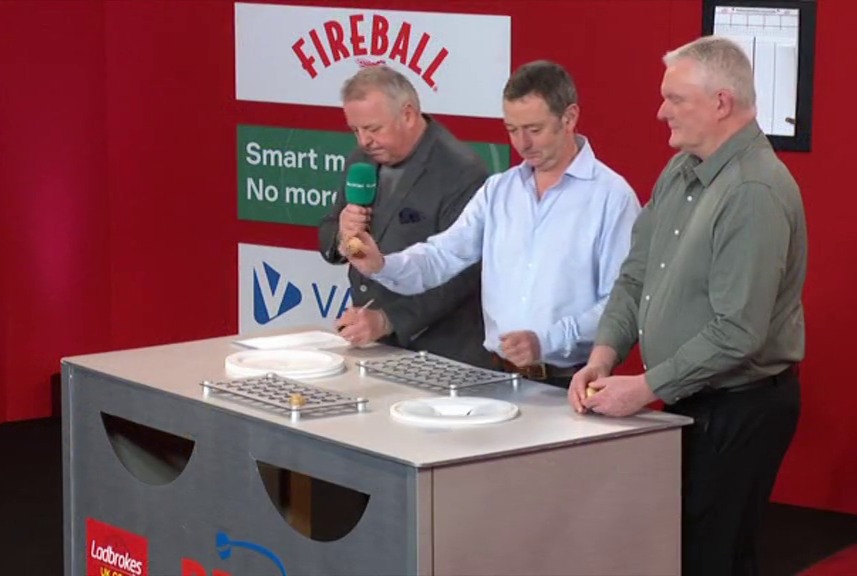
(425, 178)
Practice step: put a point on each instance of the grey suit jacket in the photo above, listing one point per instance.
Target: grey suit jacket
(441, 177)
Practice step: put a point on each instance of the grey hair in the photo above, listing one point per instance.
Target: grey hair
(724, 65)
(393, 84)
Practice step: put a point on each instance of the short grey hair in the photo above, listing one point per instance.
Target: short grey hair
(393, 84)
(724, 64)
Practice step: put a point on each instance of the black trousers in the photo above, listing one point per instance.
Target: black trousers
(732, 454)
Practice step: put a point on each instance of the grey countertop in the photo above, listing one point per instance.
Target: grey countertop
(545, 419)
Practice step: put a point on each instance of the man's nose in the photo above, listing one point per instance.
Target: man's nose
(364, 139)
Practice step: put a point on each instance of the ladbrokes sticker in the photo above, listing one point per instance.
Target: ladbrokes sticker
(111, 551)
(303, 54)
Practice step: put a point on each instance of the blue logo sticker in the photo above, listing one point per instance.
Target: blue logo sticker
(273, 296)
(225, 546)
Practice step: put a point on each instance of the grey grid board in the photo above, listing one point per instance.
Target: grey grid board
(275, 392)
(428, 370)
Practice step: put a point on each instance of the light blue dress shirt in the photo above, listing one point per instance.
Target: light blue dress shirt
(547, 265)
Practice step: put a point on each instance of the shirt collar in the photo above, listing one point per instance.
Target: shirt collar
(709, 168)
(581, 167)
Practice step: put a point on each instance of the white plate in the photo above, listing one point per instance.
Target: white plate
(313, 339)
(453, 411)
(288, 363)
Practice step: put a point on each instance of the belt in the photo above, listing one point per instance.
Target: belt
(540, 371)
(792, 370)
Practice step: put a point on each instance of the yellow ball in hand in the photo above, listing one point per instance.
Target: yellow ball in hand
(355, 246)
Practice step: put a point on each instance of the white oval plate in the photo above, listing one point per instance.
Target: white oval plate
(288, 363)
(312, 339)
(453, 411)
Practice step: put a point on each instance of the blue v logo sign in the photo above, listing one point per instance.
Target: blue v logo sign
(273, 296)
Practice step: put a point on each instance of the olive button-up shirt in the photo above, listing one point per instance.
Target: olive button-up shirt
(712, 286)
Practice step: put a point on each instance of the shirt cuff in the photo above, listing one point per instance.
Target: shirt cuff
(393, 265)
(556, 341)
(661, 380)
(664, 382)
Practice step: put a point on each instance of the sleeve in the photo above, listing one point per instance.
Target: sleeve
(750, 249)
(613, 246)
(440, 274)
(617, 327)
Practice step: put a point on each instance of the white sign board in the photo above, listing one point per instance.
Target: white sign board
(458, 63)
(284, 287)
(769, 37)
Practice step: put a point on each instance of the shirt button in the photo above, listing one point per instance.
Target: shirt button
(690, 198)
(640, 331)
(663, 264)
(676, 231)
(648, 297)
(363, 288)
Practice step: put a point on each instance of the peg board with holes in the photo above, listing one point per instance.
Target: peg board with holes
(282, 394)
(434, 372)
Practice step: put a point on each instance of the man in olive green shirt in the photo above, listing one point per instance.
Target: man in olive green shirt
(711, 290)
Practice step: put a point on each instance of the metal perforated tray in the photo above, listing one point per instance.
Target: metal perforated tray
(434, 372)
(286, 396)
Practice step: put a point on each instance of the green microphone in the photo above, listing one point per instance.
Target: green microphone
(361, 183)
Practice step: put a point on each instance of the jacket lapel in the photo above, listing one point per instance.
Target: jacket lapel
(395, 198)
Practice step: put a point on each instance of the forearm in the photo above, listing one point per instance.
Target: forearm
(716, 350)
(429, 264)
(445, 265)
(617, 327)
(564, 336)
(604, 356)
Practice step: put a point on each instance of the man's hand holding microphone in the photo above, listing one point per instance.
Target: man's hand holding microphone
(360, 325)
(361, 184)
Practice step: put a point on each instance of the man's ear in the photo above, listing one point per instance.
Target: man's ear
(409, 114)
(725, 103)
(571, 116)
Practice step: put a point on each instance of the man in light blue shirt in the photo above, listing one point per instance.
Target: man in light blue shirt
(551, 232)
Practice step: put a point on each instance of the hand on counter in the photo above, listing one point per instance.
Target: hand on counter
(613, 395)
(360, 326)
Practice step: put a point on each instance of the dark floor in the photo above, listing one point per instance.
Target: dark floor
(31, 534)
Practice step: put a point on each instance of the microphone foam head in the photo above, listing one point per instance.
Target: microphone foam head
(361, 182)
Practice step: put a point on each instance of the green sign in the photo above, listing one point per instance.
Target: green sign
(293, 176)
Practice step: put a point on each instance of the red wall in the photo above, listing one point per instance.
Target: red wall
(118, 181)
(55, 283)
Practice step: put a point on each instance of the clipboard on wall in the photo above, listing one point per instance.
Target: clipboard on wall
(779, 38)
